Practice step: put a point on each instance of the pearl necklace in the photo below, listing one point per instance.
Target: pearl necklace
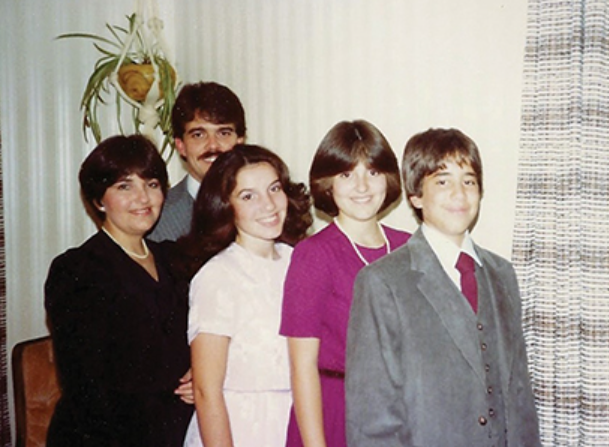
(357, 251)
(130, 253)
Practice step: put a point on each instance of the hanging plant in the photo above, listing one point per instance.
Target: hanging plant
(133, 64)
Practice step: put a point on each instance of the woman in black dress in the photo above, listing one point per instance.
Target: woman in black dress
(117, 313)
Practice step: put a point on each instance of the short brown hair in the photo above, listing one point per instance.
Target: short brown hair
(342, 148)
(427, 152)
(113, 159)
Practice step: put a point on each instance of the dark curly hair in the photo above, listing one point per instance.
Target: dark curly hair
(213, 223)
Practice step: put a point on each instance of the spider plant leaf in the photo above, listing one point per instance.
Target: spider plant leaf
(96, 81)
(119, 113)
(113, 30)
(90, 36)
(90, 121)
(166, 85)
(131, 19)
(85, 126)
(102, 50)
(167, 141)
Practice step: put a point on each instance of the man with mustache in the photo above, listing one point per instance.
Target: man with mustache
(207, 119)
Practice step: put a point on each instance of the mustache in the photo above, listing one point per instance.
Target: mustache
(208, 154)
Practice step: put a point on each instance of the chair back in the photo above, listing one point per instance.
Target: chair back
(36, 390)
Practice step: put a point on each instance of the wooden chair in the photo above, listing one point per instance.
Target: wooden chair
(36, 390)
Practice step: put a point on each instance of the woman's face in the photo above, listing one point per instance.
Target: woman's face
(360, 193)
(260, 205)
(132, 205)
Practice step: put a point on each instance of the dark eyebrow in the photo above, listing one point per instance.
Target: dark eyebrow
(195, 129)
(241, 191)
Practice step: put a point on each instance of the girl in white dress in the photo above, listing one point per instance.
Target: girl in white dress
(246, 217)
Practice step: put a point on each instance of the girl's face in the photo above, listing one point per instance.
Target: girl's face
(132, 205)
(260, 205)
(360, 193)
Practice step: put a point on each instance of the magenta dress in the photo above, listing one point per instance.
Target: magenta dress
(317, 298)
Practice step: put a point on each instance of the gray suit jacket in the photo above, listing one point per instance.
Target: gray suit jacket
(423, 369)
(176, 216)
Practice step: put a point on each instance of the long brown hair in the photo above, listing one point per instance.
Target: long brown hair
(213, 223)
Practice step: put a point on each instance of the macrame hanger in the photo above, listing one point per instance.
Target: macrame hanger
(153, 43)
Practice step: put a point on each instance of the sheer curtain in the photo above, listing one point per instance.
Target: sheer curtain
(5, 432)
(561, 238)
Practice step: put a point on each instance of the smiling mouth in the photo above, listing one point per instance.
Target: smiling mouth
(142, 212)
(459, 212)
(361, 199)
(271, 220)
(209, 157)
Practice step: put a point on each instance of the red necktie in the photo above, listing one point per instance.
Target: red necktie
(469, 286)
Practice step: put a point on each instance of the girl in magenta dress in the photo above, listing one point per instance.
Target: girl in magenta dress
(354, 177)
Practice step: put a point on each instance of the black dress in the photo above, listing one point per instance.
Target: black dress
(120, 343)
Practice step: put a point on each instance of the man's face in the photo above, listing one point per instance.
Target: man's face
(202, 142)
(450, 200)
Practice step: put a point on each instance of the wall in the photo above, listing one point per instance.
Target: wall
(299, 66)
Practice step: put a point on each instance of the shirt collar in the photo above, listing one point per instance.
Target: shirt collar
(446, 250)
(192, 186)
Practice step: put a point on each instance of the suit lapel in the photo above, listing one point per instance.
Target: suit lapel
(451, 307)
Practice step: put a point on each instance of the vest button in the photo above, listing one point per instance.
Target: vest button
(491, 412)
(479, 326)
(482, 420)
(483, 346)
(489, 390)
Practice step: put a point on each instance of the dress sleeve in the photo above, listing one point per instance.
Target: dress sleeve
(307, 287)
(212, 302)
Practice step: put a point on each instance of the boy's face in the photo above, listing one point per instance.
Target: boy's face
(202, 142)
(450, 200)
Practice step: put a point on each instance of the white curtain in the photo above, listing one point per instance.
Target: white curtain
(561, 238)
(5, 432)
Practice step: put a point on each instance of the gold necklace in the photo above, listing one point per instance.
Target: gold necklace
(357, 251)
(129, 252)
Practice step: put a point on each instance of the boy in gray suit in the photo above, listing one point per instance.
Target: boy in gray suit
(436, 354)
(207, 119)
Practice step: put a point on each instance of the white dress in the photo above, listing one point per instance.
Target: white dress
(239, 295)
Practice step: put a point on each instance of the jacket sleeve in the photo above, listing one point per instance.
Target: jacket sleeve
(77, 307)
(374, 378)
